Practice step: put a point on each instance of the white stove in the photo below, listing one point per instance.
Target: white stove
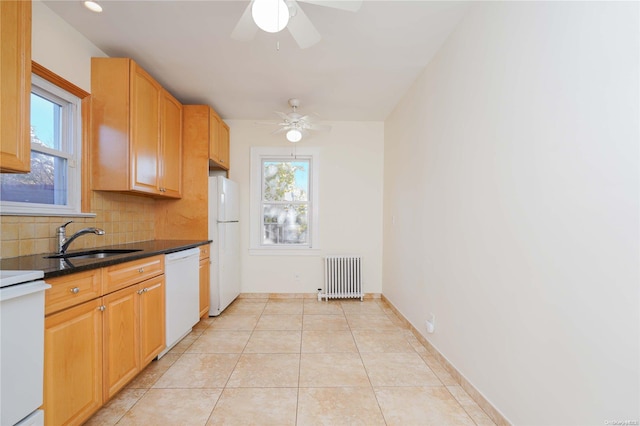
(21, 347)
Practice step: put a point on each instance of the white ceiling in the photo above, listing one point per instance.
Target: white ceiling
(360, 69)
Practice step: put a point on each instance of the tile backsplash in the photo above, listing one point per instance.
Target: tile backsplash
(124, 218)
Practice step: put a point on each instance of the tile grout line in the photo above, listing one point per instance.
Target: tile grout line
(355, 342)
(234, 367)
(299, 367)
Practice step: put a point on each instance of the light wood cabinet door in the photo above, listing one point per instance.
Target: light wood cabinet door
(218, 141)
(73, 364)
(152, 319)
(204, 287)
(136, 131)
(170, 183)
(15, 86)
(145, 131)
(214, 137)
(223, 150)
(121, 355)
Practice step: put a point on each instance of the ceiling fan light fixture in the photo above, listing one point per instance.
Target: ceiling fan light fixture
(294, 135)
(93, 6)
(271, 16)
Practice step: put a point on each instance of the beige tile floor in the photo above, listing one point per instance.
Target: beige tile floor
(295, 362)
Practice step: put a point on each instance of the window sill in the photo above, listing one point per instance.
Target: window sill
(284, 252)
(55, 214)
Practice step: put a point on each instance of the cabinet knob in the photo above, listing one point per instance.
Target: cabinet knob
(75, 290)
(101, 308)
(141, 270)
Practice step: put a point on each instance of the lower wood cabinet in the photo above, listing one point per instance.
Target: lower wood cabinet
(73, 364)
(121, 338)
(204, 280)
(94, 348)
(152, 309)
(133, 333)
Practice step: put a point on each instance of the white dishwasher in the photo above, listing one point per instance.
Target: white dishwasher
(182, 294)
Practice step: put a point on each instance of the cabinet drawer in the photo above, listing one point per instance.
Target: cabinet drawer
(71, 290)
(125, 274)
(204, 251)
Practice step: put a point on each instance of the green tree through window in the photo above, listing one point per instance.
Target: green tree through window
(285, 202)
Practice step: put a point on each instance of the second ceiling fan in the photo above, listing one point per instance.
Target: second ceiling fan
(275, 15)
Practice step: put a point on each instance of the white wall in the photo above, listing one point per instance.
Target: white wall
(60, 48)
(511, 168)
(350, 205)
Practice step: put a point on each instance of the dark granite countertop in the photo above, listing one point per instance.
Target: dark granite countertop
(58, 267)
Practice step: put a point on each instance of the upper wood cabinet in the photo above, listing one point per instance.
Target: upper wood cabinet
(188, 218)
(15, 86)
(218, 141)
(171, 172)
(223, 151)
(136, 131)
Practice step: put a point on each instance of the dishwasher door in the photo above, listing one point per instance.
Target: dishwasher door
(182, 294)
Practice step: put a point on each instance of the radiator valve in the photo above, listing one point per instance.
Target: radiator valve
(319, 295)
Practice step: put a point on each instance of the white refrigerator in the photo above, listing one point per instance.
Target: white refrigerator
(224, 231)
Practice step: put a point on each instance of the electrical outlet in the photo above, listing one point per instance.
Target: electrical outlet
(430, 324)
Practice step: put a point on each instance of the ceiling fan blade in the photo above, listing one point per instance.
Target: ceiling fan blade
(318, 127)
(268, 123)
(245, 29)
(281, 115)
(302, 30)
(280, 130)
(348, 5)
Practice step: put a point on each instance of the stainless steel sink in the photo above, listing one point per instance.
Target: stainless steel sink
(92, 254)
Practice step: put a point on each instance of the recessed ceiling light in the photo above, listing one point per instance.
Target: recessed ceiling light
(93, 6)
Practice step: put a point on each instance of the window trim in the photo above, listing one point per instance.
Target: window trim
(81, 192)
(258, 155)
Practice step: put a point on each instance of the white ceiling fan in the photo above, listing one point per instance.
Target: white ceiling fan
(275, 15)
(295, 124)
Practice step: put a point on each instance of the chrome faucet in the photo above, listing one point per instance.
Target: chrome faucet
(63, 241)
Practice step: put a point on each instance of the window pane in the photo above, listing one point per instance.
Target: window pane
(286, 180)
(46, 184)
(45, 122)
(285, 224)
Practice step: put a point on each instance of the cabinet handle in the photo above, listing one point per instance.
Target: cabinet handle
(75, 290)
(141, 270)
(140, 291)
(146, 289)
(101, 308)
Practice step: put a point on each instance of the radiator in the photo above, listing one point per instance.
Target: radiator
(342, 277)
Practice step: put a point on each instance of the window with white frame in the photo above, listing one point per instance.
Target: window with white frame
(53, 185)
(284, 199)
